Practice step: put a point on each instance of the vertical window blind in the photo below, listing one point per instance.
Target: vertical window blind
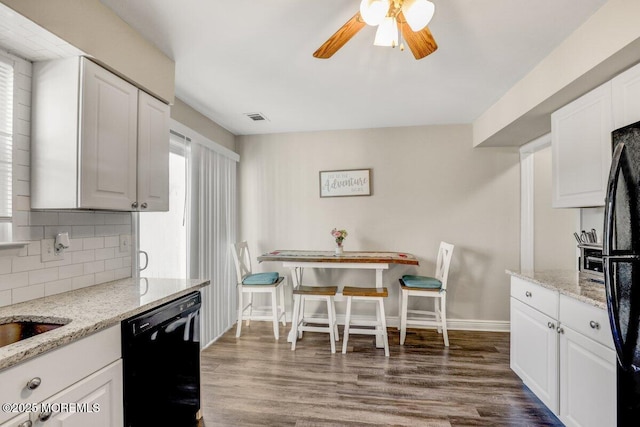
(6, 138)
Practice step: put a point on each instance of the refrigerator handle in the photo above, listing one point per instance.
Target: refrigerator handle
(607, 248)
(609, 207)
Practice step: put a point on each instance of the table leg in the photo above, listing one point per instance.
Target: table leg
(296, 281)
(379, 340)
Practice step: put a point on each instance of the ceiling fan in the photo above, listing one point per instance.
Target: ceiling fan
(410, 17)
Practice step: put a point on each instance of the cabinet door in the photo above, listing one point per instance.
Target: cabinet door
(19, 421)
(587, 381)
(108, 134)
(534, 352)
(153, 154)
(94, 401)
(581, 150)
(626, 97)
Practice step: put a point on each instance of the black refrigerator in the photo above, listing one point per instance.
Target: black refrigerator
(621, 257)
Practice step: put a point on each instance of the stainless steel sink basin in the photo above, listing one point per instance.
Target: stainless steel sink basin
(13, 330)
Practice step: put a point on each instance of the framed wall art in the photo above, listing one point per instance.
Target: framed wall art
(344, 183)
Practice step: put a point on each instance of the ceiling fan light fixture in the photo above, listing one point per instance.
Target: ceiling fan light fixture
(374, 11)
(387, 33)
(418, 13)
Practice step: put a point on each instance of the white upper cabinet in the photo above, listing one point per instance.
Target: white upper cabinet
(98, 142)
(581, 150)
(626, 97)
(153, 154)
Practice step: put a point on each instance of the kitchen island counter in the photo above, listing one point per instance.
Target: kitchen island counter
(87, 311)
(567, 282)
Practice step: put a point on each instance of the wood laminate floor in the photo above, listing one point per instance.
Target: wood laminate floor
(257, 381)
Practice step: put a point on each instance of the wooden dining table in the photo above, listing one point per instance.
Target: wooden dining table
(298, 260)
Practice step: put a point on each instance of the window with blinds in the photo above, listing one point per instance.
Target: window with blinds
(6, 147)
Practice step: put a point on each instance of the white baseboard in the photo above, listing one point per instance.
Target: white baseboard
(452, 324)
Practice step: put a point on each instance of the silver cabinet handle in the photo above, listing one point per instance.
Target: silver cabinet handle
(134, 205)
(34, 383)
(551, 325)
(144, 205)
(45, 416)
(560, 330)
(527, 294)
(27, 423)
(594, 325)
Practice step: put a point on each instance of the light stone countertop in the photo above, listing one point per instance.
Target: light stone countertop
(567, 282)
(88, 310)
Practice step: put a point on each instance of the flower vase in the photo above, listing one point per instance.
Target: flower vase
(339, 250)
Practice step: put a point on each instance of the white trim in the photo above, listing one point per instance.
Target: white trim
(202, 140)
(394, 321)
(527, 189)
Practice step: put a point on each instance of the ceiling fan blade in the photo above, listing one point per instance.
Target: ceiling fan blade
(343, 35)
(420, 42)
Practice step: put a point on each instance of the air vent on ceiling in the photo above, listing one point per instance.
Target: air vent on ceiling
(256, 117)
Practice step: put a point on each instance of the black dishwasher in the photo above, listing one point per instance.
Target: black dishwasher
(161, 356)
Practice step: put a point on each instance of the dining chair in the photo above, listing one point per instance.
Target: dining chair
(375, 295)
(251, 283)
(427, 287)
(299, 324)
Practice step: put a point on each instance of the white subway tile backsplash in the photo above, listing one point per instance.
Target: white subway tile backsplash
(34, 248)
(122, 273)
(75, 245)
(83, 231)
(113, 264)
(44, 275)
(43, 218)
(14, 280)
(21, 188)
(93, 243)
(21, 157)
(82, 218)
(5, 265)
(57, 287)
(27, 293)
(105, 230)
(72, 270)
(5, 298)
(26, 263)
(93, 267)
(28, 233)
(50, 231)
(20, 218)
(22, 203)
(105, 253)
(112, 241)
(83, 281)
(83, 256)
(105, 276)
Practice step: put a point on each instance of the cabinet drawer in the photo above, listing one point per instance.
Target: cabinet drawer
(542, 299)
(586, 319)
(59, 368)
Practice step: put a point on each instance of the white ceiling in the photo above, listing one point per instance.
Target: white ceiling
(246, 56)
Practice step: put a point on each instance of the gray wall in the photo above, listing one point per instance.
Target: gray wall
(429, 185)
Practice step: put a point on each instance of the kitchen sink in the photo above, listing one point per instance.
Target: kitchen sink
(13, 330)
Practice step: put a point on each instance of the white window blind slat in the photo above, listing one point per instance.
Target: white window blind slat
(6, 139)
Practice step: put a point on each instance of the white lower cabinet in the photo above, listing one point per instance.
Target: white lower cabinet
(94, 401)
(534, 352)
(587, 381)
(566, 359)
(79, 383)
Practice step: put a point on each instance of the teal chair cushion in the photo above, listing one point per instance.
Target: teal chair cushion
(421, 282)
(261, 279)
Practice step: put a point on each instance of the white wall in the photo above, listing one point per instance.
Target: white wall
(429, 185)
(93, 257)
(554, 244)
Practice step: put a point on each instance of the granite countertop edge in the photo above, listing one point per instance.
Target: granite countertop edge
(87, 310)
(567, 282)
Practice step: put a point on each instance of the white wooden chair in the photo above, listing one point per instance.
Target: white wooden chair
(250, 283)
(429, 287)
